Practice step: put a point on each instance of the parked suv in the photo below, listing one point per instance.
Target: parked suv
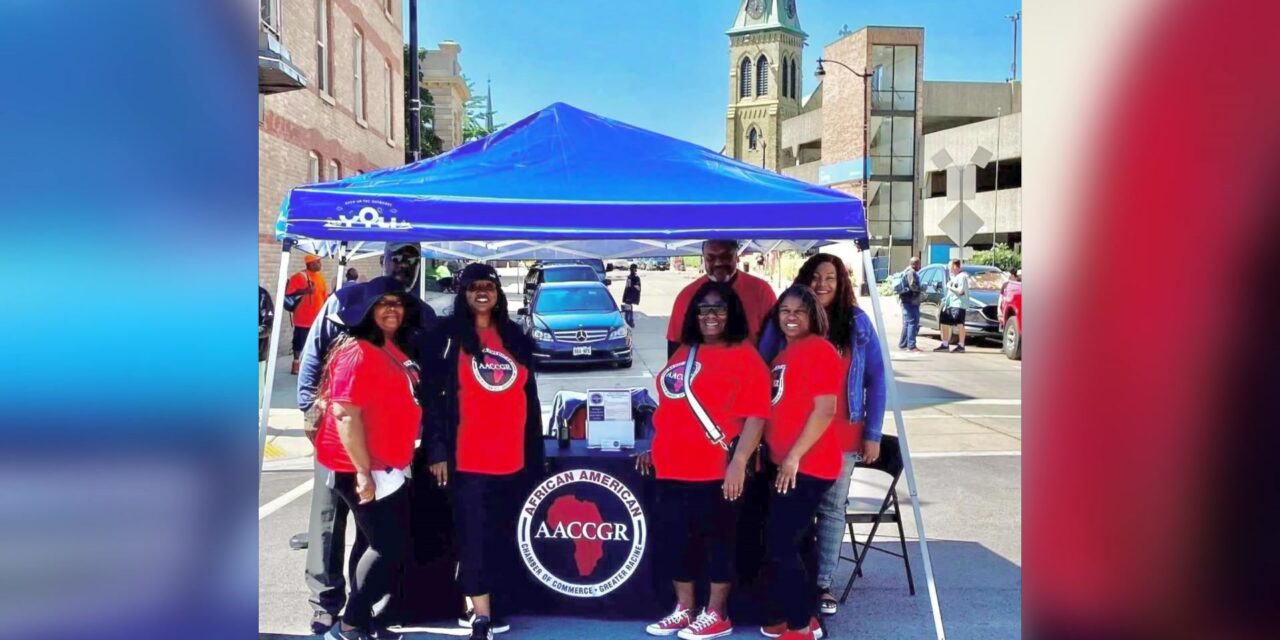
(539, 275)
(981, 319)
(1011, 318)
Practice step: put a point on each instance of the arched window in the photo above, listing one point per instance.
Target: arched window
(762, 75)
(744, 78)
(753, 138)
(786, 78)
(795, 81)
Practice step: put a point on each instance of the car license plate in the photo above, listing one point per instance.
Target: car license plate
(582, 351)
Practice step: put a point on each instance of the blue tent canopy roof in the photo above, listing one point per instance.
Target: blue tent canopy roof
(566, 174)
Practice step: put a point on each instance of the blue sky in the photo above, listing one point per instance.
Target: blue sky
(662, 64)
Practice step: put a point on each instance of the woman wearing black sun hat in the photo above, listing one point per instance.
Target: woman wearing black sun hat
(482, 430)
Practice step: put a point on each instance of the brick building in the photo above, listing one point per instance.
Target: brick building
(348, 119)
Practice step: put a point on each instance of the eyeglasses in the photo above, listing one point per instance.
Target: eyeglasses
(405, 259)
(482, 287)
(390, 304)
(719, 310)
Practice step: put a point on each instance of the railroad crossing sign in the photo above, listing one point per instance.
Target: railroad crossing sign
(961, 223)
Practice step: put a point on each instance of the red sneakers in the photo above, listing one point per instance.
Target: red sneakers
(780, 631)
(678, 620)
(710, 624)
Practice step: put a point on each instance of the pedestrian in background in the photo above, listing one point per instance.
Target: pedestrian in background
(310, 286)
(954, 304)
(370, 420)
(910, 301)
(807, 376)
(859, 417)
(700, 456)
(482, 432)
(352, 277)
(266, 318)
(631, 297)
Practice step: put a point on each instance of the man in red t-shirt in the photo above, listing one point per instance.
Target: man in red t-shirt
(720, 262)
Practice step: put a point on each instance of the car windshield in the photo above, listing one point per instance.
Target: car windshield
(595, 264)
(986, 280)
(575, 300)
(570, 274)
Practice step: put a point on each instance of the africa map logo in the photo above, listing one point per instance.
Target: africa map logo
(582, 533)
(673, 379)
(494, 370)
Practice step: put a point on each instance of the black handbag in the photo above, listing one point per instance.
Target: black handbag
(292, 300)
(709, 428)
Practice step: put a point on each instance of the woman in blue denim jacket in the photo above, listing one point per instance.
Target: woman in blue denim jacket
(860, 410)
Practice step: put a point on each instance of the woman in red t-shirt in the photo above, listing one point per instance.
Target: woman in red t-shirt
(698, 482)
(370, 419)
(482, 432)
(807, 374)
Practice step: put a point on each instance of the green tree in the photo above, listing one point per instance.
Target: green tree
(429, 143)
(999, 256)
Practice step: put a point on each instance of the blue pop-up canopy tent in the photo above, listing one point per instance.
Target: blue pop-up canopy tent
(574, 183)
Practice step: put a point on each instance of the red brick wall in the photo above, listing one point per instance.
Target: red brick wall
(298, 122)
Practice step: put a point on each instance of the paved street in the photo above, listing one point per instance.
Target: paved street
(963, 416)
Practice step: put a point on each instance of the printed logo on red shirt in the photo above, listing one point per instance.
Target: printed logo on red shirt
(672, 382)
(494, 370)
(777, 373)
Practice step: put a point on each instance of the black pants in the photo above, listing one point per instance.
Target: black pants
(299, 340)
(485, 510)
(326, 547)
(790, 518)
(385, 525)
(696, 527)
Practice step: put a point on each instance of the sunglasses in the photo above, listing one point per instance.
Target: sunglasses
(393, 303)
(405, 259)
(720, 310)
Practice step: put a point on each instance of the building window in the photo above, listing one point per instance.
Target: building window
(893, 78)
(744, 78)
(386, 6)
(357, 75)
(322, 46)
(334, 171)
(271, 15)
(795, 81)
(786, 78)
(762, 75)
(313, 167)
(387, 111)
(753, 139)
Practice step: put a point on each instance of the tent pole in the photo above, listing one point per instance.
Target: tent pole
(342, 265)
(896, 403)
(273, 345)
(422, 274)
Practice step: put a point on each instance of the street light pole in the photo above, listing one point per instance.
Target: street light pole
(866, 138)
(415, 92)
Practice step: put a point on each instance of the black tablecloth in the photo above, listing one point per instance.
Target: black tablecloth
(429, 592)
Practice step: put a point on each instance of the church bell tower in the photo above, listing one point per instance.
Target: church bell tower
(765, 48)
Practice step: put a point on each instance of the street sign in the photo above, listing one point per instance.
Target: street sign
(961, 224)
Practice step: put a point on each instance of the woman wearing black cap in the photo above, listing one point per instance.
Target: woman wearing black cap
(370, 419)
(482, 430)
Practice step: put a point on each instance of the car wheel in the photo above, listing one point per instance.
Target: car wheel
(1012, 340)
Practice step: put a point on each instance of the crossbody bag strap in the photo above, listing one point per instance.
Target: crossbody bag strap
(713, 433)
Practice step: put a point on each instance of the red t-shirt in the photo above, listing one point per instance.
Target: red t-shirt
(757, 298)
(803, 371)
(491, 408)
(849, 433)
(732, 384)
(379, 382)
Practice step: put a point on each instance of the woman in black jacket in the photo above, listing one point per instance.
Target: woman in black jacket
(482, 430)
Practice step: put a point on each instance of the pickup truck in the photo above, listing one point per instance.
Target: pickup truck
(1011, 318)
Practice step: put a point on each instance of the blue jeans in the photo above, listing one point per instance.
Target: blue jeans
(910, 325)
(831, 527)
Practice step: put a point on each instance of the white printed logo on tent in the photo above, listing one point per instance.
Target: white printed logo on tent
(367, 217)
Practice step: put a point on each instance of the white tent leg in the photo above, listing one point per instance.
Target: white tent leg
(422, 275)
(273, 346)
(343, 256)
(896, 403)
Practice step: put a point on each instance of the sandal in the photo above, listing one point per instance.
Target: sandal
(827, 603)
